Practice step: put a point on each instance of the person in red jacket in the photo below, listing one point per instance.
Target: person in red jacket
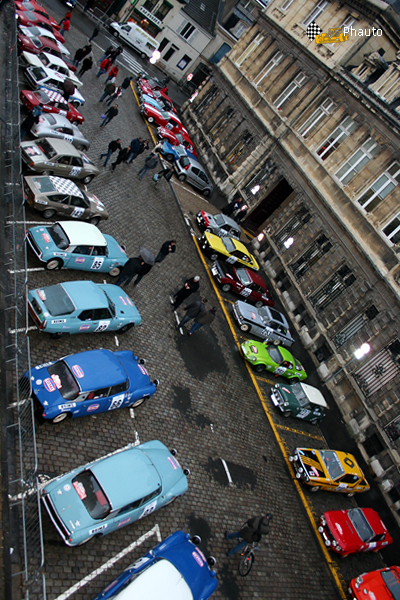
(104, 66)
(112, 74)
(65, 23)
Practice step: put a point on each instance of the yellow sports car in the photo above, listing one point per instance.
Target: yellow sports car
(228, 249)
(329, 470)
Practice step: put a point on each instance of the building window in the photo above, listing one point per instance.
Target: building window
(354, 326)
(380, 188)
(250, 48)
(187, 31)
(150, 5)
(271, 64)
(287, 4)
(326, 108)
(163, 44)
(332, 289)
(289, 90)
(221, 122)
(314, 14)
(292, 227)
(163, 11)
(238, 148)
(356, 162)
(346, 127)
(312, 255)
(183, 63)
(392, 230)
(169, 53)
(208, 97)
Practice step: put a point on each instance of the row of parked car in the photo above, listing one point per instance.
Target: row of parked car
(97, 498)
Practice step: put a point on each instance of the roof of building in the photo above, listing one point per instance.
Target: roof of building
(203, 12)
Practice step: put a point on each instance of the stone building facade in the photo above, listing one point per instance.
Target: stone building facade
(308, 135)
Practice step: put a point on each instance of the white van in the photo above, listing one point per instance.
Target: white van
(136, 37)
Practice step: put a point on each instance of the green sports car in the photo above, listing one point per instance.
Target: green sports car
(274, 359)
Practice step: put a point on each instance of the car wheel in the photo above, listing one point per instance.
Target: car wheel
(350, 495)
(226, 287)
(76, 122)
(57, 335)
(87, 179)
(86, 541)
(206, 193)
(287, 414)
(314, 421)
(115, 272)
(150, 120)
(259, 304)
(75, 104)
(94, 220)
(143, 55)
(182, 177)
(169, 157)
(48, 213)
(115, 33)
(61, 417)
(81, 147)
(126, 328)
(259, 368)
(47, 173)
(139, 402)
(294, 380)
(276, 342)
(214, 256)
(54, 264)
(315, 488)
(244, 327)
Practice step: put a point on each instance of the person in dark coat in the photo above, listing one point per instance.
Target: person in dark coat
(122, 154)
(125, 84)
(86, 65)
(89, 4)
(241, 214)
(112, 147)
(114, 97)
(251, 531)
(189, 287)
(69, 89)
(115, 53)
(110, 114)
(232, 206)
(136, 148)
(193, 310)
(205, 318)
(30, 120)
(81, 53)
(109, 89)
(95, 31)
(144, 269)
(167, 173)
(106, 54)
(150, 163)
(134, 266)
(168, 247)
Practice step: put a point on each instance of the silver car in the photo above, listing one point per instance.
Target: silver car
(52, 125)
(266, 323)
(188, 169)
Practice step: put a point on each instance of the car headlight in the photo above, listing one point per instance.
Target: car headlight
(323, 521)
(287, 404)
(338, 548)
(253, 358)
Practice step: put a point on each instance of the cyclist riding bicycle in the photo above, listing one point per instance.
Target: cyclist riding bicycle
(251, 531)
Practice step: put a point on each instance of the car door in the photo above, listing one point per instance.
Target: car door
(96, 401)
(195, 177)
(80, 257)
(65, 133)
(76, 166)
(203, 180)
(99, 260)
(94, 320)
(63, 167)
(77, 207)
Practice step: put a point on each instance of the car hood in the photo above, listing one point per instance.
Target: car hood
(97, 205)
(342, 529)
(115, 251)
(33, 152)
(123, 304)
(43, 239)
(32, 59)
(67, 504)
(374, 585)
(249, 312)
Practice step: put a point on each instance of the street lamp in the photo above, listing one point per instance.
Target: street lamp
(358, 354)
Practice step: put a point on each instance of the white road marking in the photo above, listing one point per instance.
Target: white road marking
(190, 191)
(22, 329)
(137, 441)
(78, 586)
(116, 341)
(178, 321)
(132, 413)
(26, 270)
(188, 221)
(227, 471)
(32, 223)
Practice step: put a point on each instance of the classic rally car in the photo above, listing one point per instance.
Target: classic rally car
(174, 570)
(353, 530)
(113, 491)
(77, 245)
(265, 322)
(274, 359)
(383, 584)
(52, 102)
(242, 281)
(173, 153)
(228, 249)
(89, 382)
(299, 400)
(37, 8)
(162, 118)
(58, 126)
(218, 224)
(58, 157)
(330, 470)
(51, 195)
(36, 39)
(27, 18)
(43, 77)
(45, 59)
(177, 139)
(82, 307)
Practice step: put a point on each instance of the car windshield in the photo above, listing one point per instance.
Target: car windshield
(64, 380)
(165, 115)
(274, 354)
(392, 581)
(36, 42)
(277, 316)
(43, 184)
(179, 137)
(38, 73)
(219, 219)
(92, 495)
(111, 305)
(59, 236)
(361, 524)
(34, 30)
(229, 245)
(300, 394)
(332, 463)
(42, 96)
(57, 301)
(45, 60)
(50, 119)
(243, 277)
(46, 148)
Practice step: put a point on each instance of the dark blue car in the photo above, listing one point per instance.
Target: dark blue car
(89, 382)
(174, 570)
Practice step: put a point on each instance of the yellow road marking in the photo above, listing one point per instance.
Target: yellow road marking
(264, 380)
(281, 443)
(310, 435)
(147, 124)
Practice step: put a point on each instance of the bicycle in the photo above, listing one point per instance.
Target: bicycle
(247, 558)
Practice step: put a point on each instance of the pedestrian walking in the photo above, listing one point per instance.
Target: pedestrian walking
(110, 114)
(89, 4)
(137, 146)
(232, 206)
(69, 89)
(86, 65)
(95, 31)
(150, 163)
(193, 310)
(167, 172)
(190, 286)
(104, 66)
(65, 24)
(112, 75)
(205, 318)
(106, 53)
(251, 531)
(125, 84)
(114, 97)
(131, 268)
(78, 57)
(109, 89)
(113, 146)
(115, 53)
(30, 120)
(168, 247)
(122, 154)
(67, 15)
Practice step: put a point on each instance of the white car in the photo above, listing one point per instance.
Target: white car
(44, 59)
(52, 125)
(32, 32)
(43, 77)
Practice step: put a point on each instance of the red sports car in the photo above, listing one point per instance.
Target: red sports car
(177, 139)
(383, 584)
(37, 8)
(353, 530)
(162, 118)
(42, 44)
(28, 18)
(52, 102)
(245, 282)
(156, 93)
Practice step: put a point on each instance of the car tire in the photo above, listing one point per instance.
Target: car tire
(57, 335)
(143, 56)
(115, 33)
(60, 418)
(150, 119)
(170, 157)
(226, 287)
(47, 173)
(115, 272)
(94, 220)
(214, 256)
(314, 421)
(76, 122)
(276, 342)
(139, 402)
(350, 495)
(206, 193)
(81, 147)
(48, 213)
(87, 179)
(287, 414)
(259, 304)
(244, 327)
(182, 177)
(259, 368)
(315, 488)
(54, 264)
(75, 104)
(126, 328)
(294, 380)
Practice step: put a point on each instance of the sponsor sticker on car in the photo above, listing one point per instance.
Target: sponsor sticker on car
(78, 371)
(80, 488)
(49, 385)
(92, 407)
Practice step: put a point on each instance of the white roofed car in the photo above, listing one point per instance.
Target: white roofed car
(43, 77)
(34, 32)
(44, 59)
(52, 125)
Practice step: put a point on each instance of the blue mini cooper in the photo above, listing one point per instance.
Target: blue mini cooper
(88, 383)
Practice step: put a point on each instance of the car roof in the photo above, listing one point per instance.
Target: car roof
(61, 185)
(55, 59)
(63, 147)
(51, 73)
(86, 234)
(60, 120)
(161, 580)
(314, 395)
(96, 369)
(126, 476)
(85, 295)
